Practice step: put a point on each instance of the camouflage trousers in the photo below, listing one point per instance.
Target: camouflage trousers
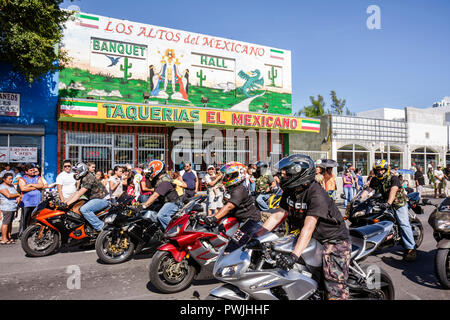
(336, 261)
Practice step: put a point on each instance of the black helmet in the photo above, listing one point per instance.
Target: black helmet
(80, 169)
(262, 168)
(295, 171)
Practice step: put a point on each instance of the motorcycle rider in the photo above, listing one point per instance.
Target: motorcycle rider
(94, 190)
(165, 192)
(238, 202)
(264, 184)
(310, 208)
(390, 187)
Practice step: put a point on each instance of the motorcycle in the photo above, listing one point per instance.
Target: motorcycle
(191, 249)
(55, 225)
(363, 211)
(127, 232)
(439, 220)
(250, 270)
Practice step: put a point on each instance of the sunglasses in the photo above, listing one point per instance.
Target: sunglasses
(67, 166)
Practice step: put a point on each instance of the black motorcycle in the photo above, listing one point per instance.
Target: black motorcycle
(363, 211)
(127, 232)
(439, 220)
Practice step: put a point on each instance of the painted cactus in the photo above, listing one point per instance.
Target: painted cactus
(273, 76)
(201, 77)
(125, 67)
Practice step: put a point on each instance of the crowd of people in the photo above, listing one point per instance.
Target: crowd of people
(230, 191)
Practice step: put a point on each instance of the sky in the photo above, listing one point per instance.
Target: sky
(404, 63)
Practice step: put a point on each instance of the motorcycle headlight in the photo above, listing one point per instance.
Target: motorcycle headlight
(359, 214)
(110, 219)
(229, 272)
(173, 232)
(443, 225)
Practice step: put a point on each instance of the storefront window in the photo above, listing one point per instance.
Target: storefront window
(343, 159)
(17, 149)
(425, 156)
(3, 140)
(353, 154)
(393, 155)
(108, 150)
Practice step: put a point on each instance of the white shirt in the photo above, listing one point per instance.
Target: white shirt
(68, 183)
(119, 190)
(438, 173)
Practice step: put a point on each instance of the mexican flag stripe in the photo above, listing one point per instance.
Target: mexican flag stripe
(79, 112)
(276, 54)
(79, 108)
(312, 125)
(84, 16)
(78, 103)
(88, 21)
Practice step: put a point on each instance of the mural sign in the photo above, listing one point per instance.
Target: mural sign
(18, 154)
(119, 60)
(110, 112)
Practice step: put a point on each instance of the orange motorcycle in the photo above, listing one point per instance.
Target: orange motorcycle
(55, 225)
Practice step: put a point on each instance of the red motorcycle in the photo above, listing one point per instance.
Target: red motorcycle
(191, 250)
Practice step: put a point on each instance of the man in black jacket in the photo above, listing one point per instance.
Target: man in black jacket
(317, 216)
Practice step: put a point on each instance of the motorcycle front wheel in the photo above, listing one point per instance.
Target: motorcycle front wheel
(380, 288)
(39, 241)
(113, 247)
(168, 275)
(442, 267)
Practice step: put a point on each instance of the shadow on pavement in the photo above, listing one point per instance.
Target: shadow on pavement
(420, 271)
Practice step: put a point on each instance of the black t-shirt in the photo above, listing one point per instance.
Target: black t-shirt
(420, 178)
(316, 202)
(377, 185)
(166, 191)
(244, 204)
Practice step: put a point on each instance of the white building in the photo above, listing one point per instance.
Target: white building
(383, 113)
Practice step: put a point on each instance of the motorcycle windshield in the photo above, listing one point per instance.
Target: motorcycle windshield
(362, 196)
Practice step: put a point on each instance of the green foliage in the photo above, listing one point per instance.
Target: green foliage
(316, 109)
(30, 31)
(337, 105)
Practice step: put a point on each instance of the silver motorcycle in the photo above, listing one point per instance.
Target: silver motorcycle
(248, 266)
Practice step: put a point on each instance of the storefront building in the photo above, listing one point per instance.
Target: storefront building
(134, 92)
(28, 130)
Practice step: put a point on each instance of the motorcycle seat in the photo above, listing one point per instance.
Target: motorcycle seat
(366, 232)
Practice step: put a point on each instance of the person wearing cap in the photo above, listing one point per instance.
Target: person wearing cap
(394, 169)
(439, 182)
(215, 196)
